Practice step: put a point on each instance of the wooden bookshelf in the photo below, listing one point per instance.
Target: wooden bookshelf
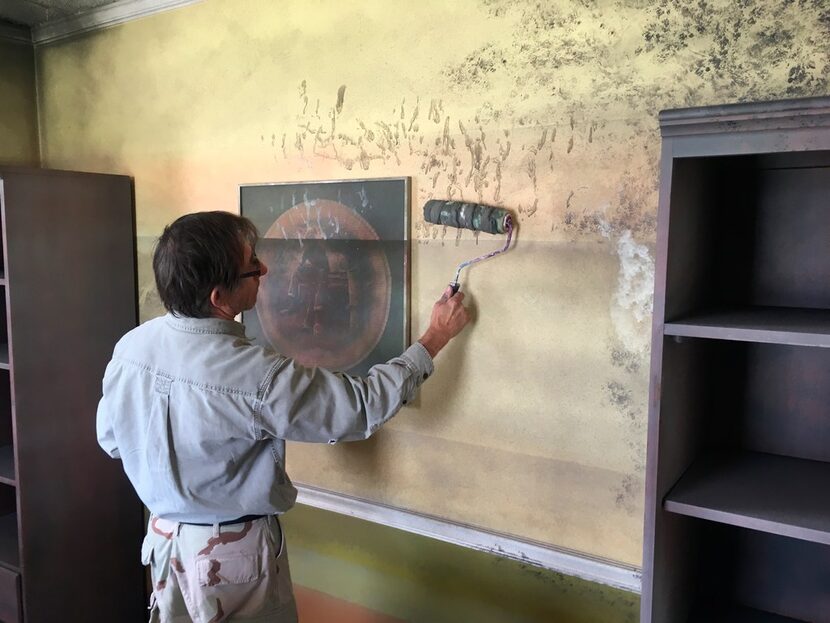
(737, 520)
(64, 303)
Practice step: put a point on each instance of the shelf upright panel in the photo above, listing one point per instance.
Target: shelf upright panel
(10, 583)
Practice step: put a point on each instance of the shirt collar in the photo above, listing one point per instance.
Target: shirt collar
(206, 325)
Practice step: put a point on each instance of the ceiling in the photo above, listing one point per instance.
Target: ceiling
(38, 12)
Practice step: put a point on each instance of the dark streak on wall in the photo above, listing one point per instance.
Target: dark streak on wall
(18, 107)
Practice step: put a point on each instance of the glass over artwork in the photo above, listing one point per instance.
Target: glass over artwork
(336, 291)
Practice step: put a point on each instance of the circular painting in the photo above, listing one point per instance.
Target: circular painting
(325, 299)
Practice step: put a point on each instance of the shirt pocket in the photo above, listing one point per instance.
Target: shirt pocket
(233, 569)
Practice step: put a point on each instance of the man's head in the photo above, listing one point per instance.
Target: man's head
(205, 265)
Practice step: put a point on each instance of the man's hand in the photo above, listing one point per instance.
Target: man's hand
(449, 316)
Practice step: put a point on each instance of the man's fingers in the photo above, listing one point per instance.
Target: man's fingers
(448, 294)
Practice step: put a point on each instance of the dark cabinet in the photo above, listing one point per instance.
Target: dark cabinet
(737, 525)
(70, 524)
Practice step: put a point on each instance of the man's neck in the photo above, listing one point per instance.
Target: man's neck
(223, 314)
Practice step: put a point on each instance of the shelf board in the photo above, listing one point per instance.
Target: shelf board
(771, 325)
(9, 552)
(765, 492)
(736, 614)
(7, 475)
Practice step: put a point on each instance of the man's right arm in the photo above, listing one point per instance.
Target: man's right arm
(316, 405)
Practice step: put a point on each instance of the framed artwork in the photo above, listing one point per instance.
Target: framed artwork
(336, 294)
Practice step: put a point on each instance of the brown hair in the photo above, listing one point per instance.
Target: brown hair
(196, 253)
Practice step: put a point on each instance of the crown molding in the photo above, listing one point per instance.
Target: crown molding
(102, 17)
(15, 34)
(800, 113)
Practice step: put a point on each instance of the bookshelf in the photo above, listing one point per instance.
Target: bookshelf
(70, 524)
(737, 523)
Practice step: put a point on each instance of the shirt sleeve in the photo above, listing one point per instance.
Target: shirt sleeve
(103, 421)
(316, 405)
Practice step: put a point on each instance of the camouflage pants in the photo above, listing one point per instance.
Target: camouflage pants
(218, 574)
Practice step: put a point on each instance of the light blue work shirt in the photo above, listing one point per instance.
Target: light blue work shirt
(199, 415)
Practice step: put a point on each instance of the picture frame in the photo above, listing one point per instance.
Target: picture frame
(337, 291)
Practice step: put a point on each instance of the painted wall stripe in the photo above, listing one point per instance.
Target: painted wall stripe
(102, 17)
(573, 563)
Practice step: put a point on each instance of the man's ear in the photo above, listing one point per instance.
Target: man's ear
(219, 300)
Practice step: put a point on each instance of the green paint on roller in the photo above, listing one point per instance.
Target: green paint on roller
(470, 216)
(463, 215)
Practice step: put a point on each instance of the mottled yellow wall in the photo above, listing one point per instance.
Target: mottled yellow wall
(18, 105)
(534, 423)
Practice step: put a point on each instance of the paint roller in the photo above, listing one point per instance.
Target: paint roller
(473, 216)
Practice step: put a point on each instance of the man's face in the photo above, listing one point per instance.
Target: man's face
(243, 297)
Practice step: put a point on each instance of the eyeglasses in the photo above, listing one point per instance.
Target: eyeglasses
(253, 273)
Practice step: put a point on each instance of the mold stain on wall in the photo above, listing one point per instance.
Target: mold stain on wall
(547, 108)
(548, 44)
(18, 106)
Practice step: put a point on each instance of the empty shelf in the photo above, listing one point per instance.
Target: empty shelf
(774, 494)
(773, 325)
(739, 615)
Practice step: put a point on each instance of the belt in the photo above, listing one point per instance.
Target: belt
(242, 519)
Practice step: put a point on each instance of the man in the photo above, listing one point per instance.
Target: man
(199, 417)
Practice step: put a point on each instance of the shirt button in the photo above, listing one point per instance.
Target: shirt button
(404, 402)
(426, 376)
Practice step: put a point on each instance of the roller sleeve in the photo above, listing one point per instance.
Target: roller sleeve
(460, 214)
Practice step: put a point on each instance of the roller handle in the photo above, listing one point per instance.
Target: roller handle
(454, 286)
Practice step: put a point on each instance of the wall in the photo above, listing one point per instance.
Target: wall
(18, 105)
(534, 423)
(414, 578)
